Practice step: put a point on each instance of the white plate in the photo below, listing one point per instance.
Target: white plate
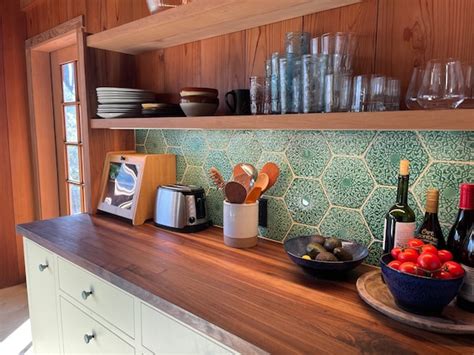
(114, 115)
(119, 106)
(109, 89)
(121, 101)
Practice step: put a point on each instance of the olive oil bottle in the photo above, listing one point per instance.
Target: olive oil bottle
(400, 219)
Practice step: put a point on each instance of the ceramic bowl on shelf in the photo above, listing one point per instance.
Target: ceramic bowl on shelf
(197, 91)
(419, 294)
(192, 109)
(296, 248)
(200, 99)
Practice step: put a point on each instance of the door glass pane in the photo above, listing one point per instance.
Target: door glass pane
(69, 82)
(75, 200)
(73, 163)
(70, 124)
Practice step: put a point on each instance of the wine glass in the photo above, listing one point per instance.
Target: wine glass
(468, 74)
(442, 86)
(413, 87)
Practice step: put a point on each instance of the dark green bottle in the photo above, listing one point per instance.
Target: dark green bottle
(400, 219)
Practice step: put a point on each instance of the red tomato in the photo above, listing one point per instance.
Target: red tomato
(443, 275)
(454, 269)
(445, 255)
(408, 268)
(395, 264)
(428, 248)
(415, 243)
(429, 261)
(408, 255)
(395, 251)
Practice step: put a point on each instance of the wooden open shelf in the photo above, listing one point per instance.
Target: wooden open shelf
(203, 19)
(449, 120)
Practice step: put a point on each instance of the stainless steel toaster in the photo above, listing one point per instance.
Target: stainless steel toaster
(181, 208)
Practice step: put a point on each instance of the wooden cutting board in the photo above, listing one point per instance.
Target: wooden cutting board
(374, 292)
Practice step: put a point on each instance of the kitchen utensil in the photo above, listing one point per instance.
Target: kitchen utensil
(235, 192)
(240, 103)
(419, 294)
(250, 170)
(254, 194)
(375, 292)
(240, 224)
(216, 178)
(273, 171)
(181, 207)
(296, 248)
(442, 86)
(262, 181)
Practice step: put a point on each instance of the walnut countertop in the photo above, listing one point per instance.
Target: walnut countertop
(255, 296)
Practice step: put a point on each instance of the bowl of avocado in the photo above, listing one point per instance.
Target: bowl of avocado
(325, 255)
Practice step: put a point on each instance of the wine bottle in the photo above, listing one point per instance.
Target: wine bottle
(430, 230)
(464, 220)
(400, 219)
(465, 298)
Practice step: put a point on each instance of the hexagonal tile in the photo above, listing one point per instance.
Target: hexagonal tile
(346, 224)
(194, 175)
(195, 148)
(301, 229)
(379, 203)
(306, 201)
(347, 182)
(244, 148)
(181, 164)
(388, 148)
(449, 145)
(219, 160)
(274, 141)
(308, 154)
(375, 252)
(349, 142)
(279, 220)
(218, 139)
(215, 201)
(155, 143)
(286, 176)
(446, 177)
(174, 137)
(140, 136)
(140, 149)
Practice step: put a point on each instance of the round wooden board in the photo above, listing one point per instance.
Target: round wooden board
(374, 292)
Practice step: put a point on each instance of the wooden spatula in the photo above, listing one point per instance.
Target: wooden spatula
(273, 171)
(253, 195)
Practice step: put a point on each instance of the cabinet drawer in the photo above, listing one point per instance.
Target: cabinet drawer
(41, 284)
(109, 302)
(84, 335)
(164, 335)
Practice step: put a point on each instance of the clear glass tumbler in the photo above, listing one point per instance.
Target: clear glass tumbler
(275, 83)
(442, 86)
(360, 93)
(296, 87)
(257, 84)
(308, 82)
(392, 94)
(284, 92)
(377, 93)
(468, 74)
(297, 43)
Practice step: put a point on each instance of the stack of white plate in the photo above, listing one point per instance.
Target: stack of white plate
(121, 102)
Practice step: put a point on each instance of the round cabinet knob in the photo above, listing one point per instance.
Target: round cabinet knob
(88, 338)
(42, 267)
(86, 294)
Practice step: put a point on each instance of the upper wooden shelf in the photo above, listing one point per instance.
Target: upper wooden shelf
(442, 120)
(203, 19)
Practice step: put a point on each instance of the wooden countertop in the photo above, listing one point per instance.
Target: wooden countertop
(257, 295)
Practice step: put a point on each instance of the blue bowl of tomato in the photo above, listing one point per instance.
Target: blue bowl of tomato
(419, 294)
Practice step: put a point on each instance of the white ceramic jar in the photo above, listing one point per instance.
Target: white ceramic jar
(240, 224)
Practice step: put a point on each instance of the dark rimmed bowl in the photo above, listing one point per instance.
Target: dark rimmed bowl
(419, 294)
(296, 248)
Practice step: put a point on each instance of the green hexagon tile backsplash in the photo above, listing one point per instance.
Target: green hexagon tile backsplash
(337, 183)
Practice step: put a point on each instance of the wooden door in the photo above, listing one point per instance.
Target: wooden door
(67, 126)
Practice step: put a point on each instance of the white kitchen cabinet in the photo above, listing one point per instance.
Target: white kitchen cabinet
(40, 266)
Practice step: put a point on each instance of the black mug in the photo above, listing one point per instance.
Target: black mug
(240, 104)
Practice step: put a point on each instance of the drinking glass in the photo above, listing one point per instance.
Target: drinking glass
(308, 82)
(296, 88)
(468, 74)
(315, 45)
(360, 93)
(257, 84)
(284, 92)
(275, 83)
(321, 69)
(392, 94)
(337, 92)
(442, 86)
(297, 43)
(412, 91)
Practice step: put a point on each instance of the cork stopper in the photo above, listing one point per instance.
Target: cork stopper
(432, 200)
(404, 167)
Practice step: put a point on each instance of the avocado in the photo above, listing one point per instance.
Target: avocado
(342, 254)
(313, 249)
(331, 243)
(326, 256)
(319, 239)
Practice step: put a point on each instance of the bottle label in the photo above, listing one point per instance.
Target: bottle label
(467, 288)
(404, 231)
(428, 236)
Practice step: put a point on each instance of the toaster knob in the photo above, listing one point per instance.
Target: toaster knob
(192, 220)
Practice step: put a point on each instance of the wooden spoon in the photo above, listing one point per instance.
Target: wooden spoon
(253, 195)
(235, 192)
(273, 171)
(262, 181)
